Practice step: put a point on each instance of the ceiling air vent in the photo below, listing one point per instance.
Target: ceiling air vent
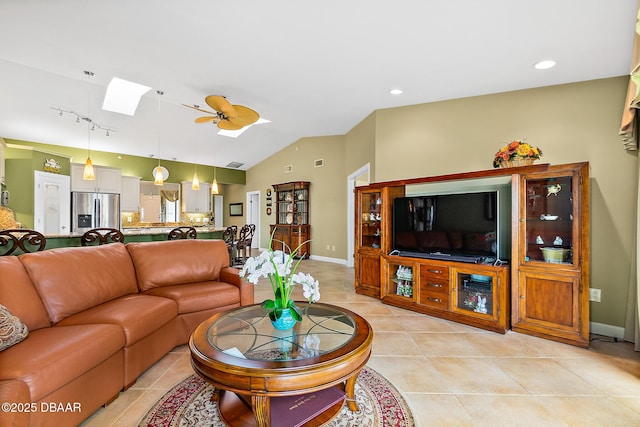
(288, 169)
(234, 165)
(318, 163)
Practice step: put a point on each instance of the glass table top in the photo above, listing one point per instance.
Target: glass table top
(248, 333)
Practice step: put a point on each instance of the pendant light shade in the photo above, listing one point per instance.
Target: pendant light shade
(89, 173)
(214, 184)
(195, 183)
(158, 178)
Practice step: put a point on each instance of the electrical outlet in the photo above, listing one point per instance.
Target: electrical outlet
(333, 248)
(595, 294)
(328, 248)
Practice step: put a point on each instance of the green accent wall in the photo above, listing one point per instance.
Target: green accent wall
(136, 165)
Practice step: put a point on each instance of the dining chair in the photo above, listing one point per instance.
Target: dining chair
(229, 237)
(21, 238)
(101, 236)
(182, 233)
(240, 245)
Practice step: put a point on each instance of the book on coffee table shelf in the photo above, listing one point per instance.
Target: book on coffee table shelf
(295, 411)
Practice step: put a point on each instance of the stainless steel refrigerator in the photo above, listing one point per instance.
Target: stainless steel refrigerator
(94, 210)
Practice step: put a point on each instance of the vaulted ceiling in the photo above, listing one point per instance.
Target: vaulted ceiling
(311, 68)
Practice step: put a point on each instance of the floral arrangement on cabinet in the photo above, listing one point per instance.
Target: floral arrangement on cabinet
(516, 153)
(280, 269)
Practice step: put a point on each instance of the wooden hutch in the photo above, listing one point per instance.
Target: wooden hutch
(292, 227)
(538, 292)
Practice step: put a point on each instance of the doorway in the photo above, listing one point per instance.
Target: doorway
(356, 179)
(253, 215)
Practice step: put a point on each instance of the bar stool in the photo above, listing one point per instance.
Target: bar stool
(21, 238)
(101, 236)
(182, 233)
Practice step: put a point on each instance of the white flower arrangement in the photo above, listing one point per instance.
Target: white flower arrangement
(280, 269)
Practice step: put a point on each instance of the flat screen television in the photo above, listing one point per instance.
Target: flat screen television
(470, 226)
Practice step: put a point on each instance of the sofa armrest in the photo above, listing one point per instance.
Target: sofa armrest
(232, 275)
(15, 392)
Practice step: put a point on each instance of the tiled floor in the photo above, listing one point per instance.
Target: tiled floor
(451, 374)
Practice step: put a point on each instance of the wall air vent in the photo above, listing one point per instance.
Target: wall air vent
(318, 163)
(288, 169)
(235, 165)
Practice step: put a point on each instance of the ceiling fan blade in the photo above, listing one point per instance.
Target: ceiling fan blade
(206, 119)
(199, 109)
(220, 104)
(246, 116)
(229, 125)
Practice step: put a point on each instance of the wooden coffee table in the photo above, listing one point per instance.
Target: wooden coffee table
(250, 362)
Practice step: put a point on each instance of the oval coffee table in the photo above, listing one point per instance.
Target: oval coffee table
(252, 365)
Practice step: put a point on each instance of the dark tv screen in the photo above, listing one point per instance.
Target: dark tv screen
(453, 224)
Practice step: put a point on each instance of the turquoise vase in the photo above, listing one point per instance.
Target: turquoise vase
(285, 321)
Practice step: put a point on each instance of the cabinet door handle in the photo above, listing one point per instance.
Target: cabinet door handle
(434, 285)
(434, 299)
(435, 271)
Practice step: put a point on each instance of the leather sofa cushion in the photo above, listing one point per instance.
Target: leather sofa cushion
(138, 315)
(199, 296)
(19, 296)
(70, 280)
(14, 392)
(174, 262)
(51, 357)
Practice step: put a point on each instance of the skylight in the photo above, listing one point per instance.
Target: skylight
(237, 133)
(123, 96)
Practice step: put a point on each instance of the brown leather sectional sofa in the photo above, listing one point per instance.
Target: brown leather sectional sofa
(100, 316)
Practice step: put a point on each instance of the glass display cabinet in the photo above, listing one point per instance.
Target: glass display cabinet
(292, 215)
(372, 235)
(550, 292)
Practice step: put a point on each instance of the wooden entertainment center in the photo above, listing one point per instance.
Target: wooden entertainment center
(542, 286)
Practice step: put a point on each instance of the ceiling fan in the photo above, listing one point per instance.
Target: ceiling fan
(226, 116)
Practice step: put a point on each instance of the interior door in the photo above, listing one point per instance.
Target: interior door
(51, 203)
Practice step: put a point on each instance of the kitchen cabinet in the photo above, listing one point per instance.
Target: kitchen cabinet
(292, 215)
(196, 201)
(130, 196)
(550, 286)
(373, 235)
(108, 180)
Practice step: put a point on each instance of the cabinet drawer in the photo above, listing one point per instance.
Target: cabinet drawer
(429, 285)
(434, 299)
(430, 272)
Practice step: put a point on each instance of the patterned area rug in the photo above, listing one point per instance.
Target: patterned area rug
(189, 404)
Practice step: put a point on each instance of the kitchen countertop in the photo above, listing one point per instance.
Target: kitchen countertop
(140, 231)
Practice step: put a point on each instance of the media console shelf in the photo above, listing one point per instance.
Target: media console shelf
(544, 288)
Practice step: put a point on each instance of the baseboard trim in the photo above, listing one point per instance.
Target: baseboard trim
(607, 330)
(327, 259)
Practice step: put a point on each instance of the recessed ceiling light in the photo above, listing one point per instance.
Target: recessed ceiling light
(123, 96)
(544, 65)
(395, 91)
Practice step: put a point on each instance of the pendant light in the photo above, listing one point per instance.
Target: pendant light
(158, 178)
(214, 184)
(195, 183)
(88, 173)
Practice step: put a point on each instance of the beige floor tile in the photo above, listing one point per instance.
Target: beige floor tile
(494, 410)
(613, 378)
(394, 343)
(475, 376)
(446, 344)
(543, 376)
(433, 410)
(591, 411)
(409, 374)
